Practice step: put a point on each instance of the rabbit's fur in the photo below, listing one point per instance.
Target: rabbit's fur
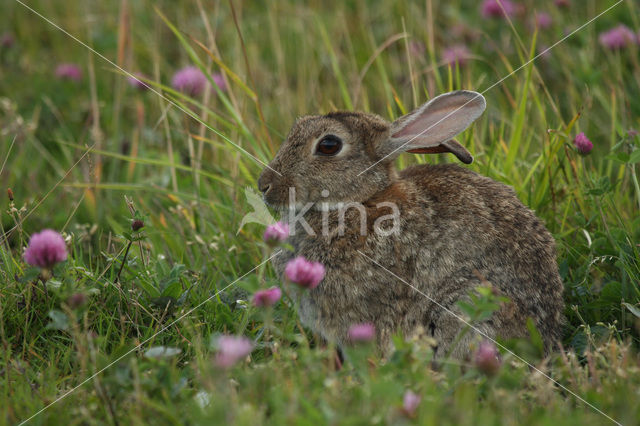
(457, 230)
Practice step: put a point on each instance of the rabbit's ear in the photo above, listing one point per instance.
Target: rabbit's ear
(431, 127)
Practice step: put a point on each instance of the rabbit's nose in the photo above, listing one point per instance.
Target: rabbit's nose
(264, 188)
(264, 183)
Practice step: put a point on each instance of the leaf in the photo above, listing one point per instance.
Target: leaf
(579, 343)
(172, 278)
(177, 270)
(484, 291)
(603, 186)
(611, 293)
(30, 275)
(634, 157)
(59, 321)
(166, 282)
(149, 289)
(635, 310)
(618, 157)
(466, 307)
(174, 290)
(162, 352)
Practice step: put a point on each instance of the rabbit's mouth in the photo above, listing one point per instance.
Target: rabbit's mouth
(281, 200)
(284, 206)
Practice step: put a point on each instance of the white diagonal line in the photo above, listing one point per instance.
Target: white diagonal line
(149, 338)
(493, 340)
(495, 84)
(4, 163)
(189, 113)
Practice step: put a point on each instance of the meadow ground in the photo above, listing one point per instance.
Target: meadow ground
(134, 318)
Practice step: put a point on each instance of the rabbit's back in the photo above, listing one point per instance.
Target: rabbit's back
(475, 231)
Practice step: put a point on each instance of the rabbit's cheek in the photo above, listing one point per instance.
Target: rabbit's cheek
(316, 194)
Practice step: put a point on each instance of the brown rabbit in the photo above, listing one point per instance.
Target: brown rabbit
(431, 234)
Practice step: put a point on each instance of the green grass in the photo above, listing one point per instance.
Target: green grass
(74, 150)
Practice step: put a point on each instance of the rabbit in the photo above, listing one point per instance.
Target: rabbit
(456, 231)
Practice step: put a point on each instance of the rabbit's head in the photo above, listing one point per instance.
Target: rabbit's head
(346, 157)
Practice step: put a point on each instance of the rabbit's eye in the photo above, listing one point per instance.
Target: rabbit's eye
(329, 145)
